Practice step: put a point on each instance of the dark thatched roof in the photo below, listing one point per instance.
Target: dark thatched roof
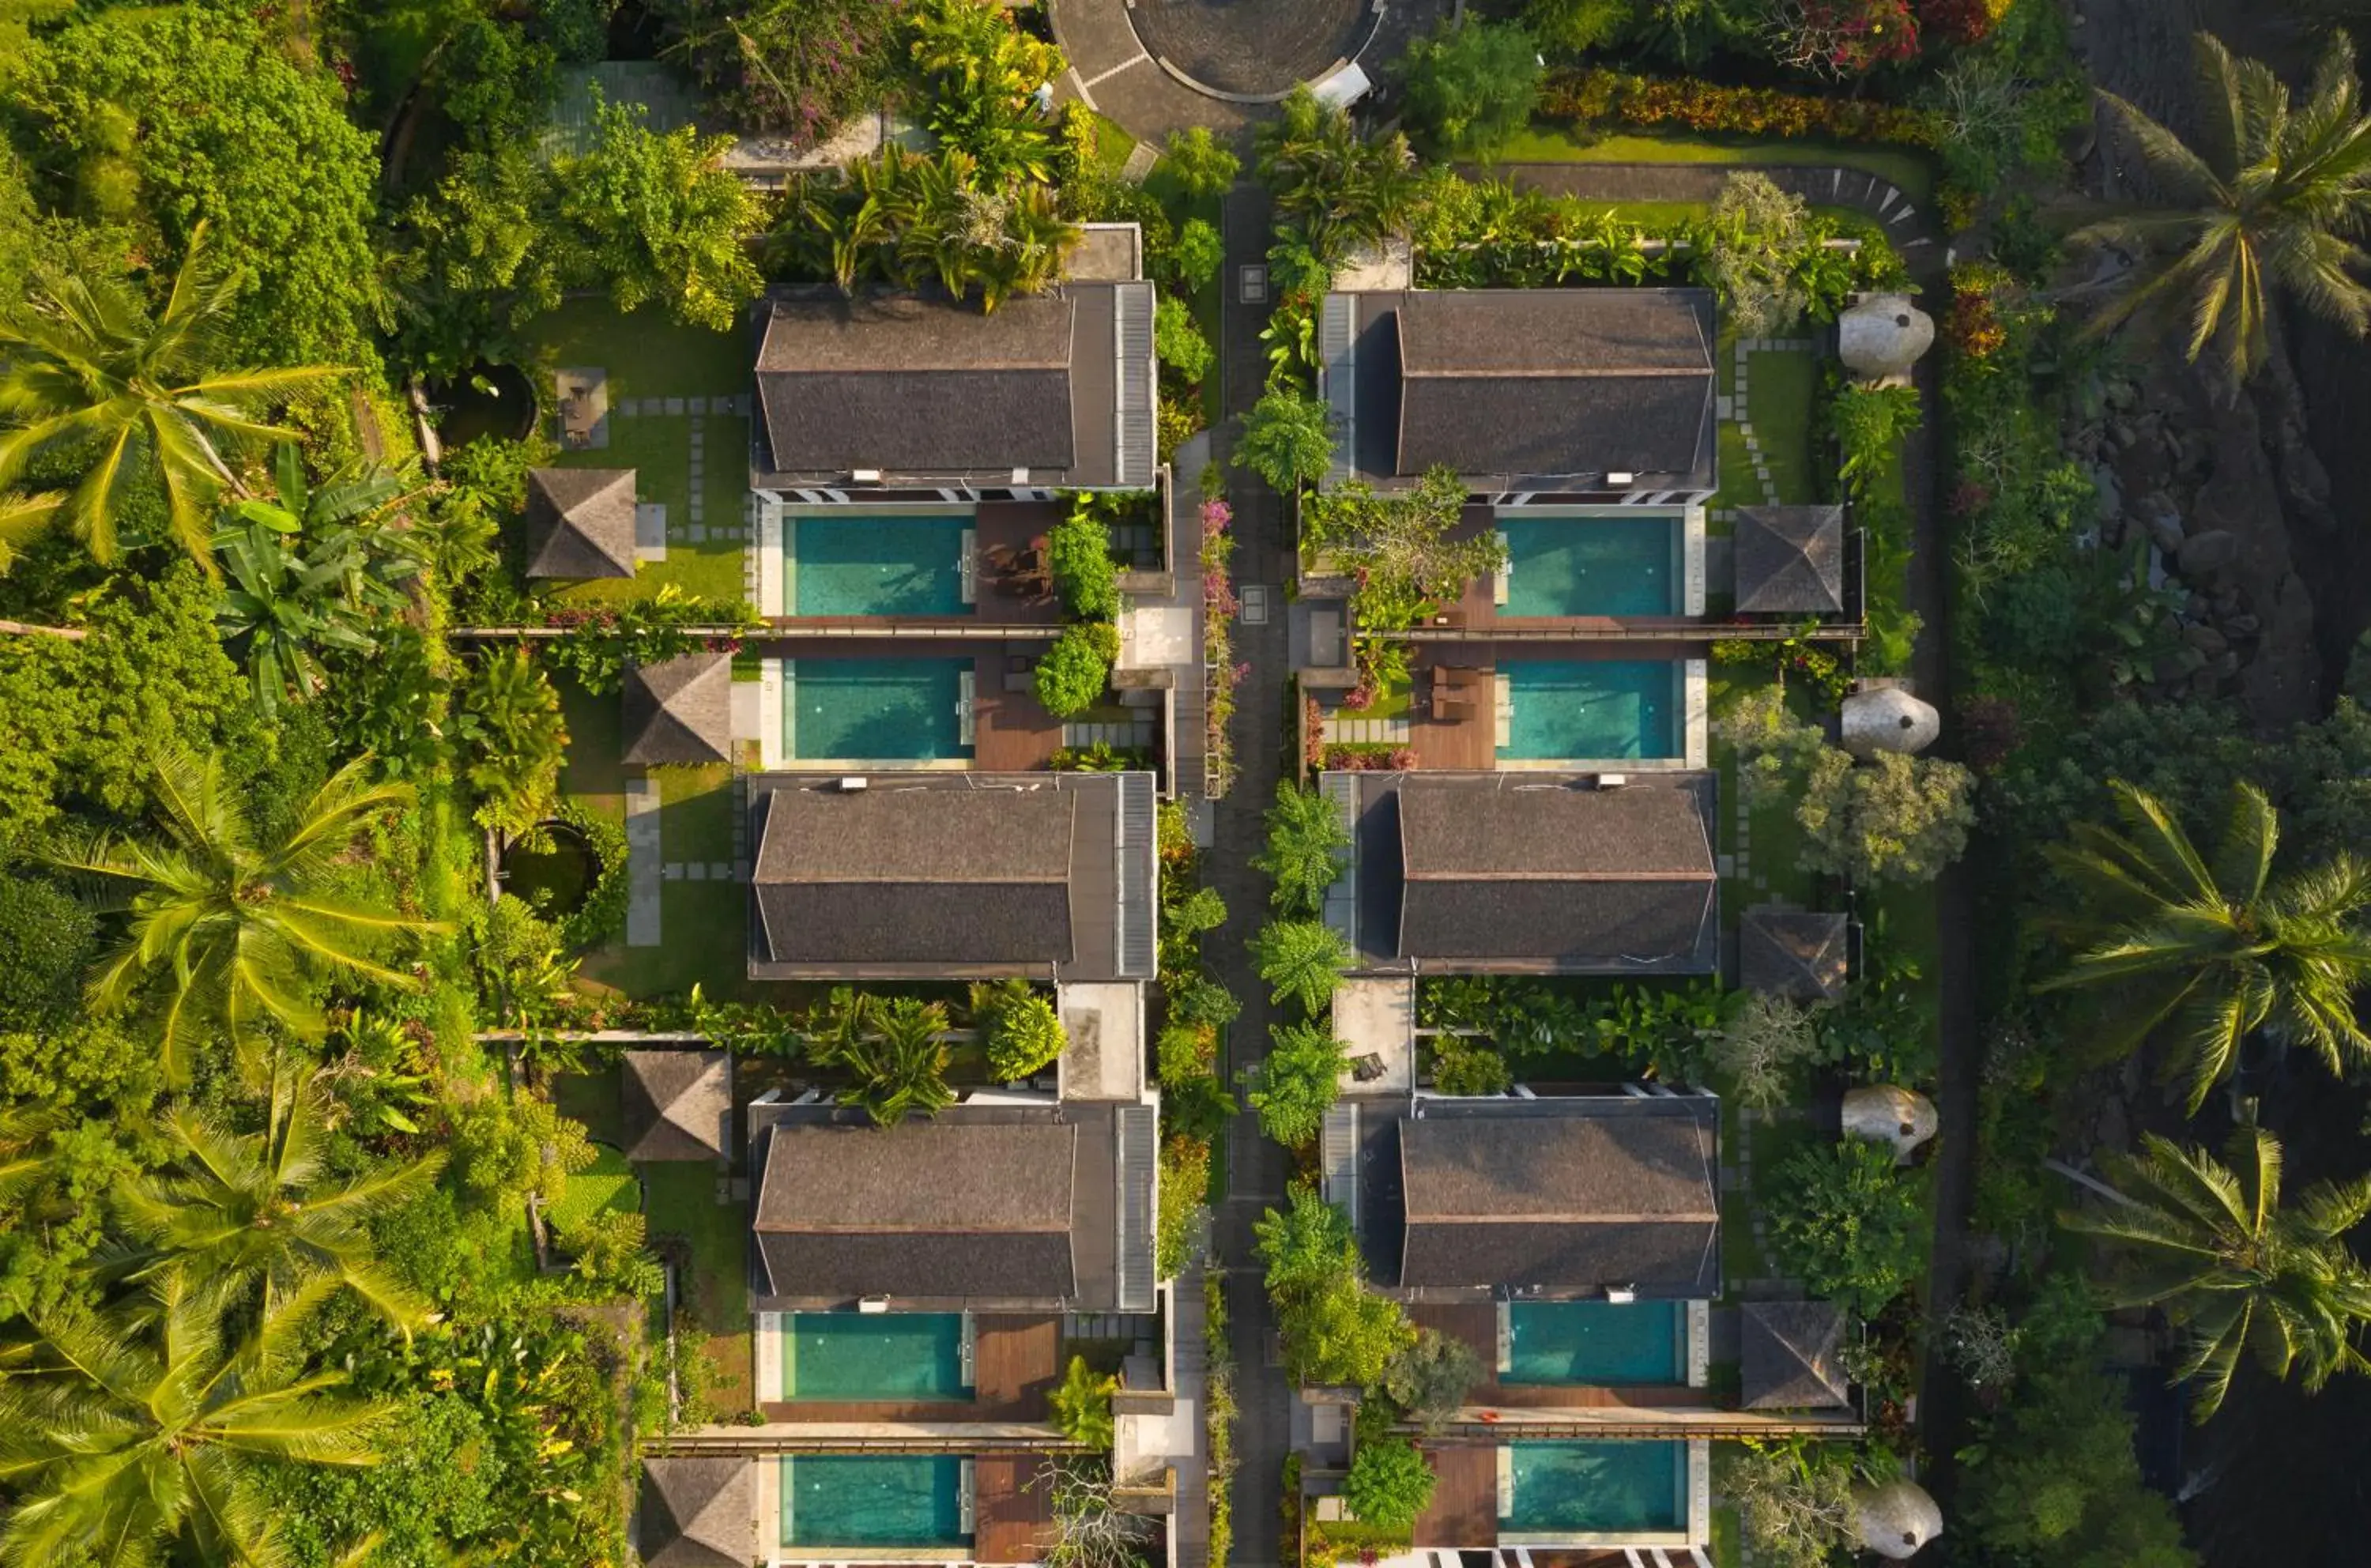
(1790, 561)
(698, 1513)
(923, 388)
(1576, 878)
(1801, 954)
(1791, 1360)
(969, 876)
(580, 523)
(947, 1207)
(1525, 388)
(679, 1104)
(680, 710)
(1586, 1194)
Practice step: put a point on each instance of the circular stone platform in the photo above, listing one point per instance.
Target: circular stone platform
(1252, 49)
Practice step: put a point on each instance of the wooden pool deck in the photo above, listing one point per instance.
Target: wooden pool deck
(1012, 1508)
(1464, 1510)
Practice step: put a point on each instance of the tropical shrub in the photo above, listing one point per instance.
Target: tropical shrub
(1072, 674)
(1846, 1223)
(896, 1058)
(1022, 1033)
(1178, 343)
(508, 716)
(1431, 1378)
(1078, 556)
(655, 216)
(1184, 1182)
(1794, 1500)
(980, 76)
(649, 630)
(47, 939)
(1202, 167)
(1754, 237)
(1336, 190)
(792, 68)
(1195, 255)
(1892, 818)
(1081, 1406)
(1403, 550)
(1288, 439)
(1389, 1484)
(1870, 423)
(172, 117)
(1297, 1081)
(1841, 38)
(1461, 1069)
(1469, 87)
(1334, 1329)
(1763, 1050)
(1572, 27)
(1598, 97)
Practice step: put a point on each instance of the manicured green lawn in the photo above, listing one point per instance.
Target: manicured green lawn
(1778, 400)
(596, 740)
(1112, 144)
(646, 355)
(705, 929)
(696, 811)
(607, 1183)
(1726, 1549)
(1910, 171)
(714, 1289)
(1182, 208)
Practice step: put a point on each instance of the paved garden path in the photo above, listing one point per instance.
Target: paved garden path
(1256, 1168)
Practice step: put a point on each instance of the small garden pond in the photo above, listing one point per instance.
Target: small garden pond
(491, 399)
(556, 879)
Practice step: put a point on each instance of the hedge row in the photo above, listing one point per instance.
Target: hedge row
(1593, 98)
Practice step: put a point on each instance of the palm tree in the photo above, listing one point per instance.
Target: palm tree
(1303, 958)
(121, 1433)
(2274, 194)
(231, 928)
(91, 375)
(2219, 947)
(2234, 1268)
(899, 1060)
(1307, 845)
(1342, 192)
(252, 1222)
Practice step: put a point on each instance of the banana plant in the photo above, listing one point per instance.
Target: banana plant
(311, 571)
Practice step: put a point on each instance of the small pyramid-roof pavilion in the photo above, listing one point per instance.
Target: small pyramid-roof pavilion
(698, 1513)
(1790, 561)
(1801, 954)
(679, 711)
(1790, 1352)
(679, 1104)
(580, 523)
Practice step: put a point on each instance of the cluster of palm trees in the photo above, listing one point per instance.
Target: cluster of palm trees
(1340, 190)
(913, 220)
(2275, 194)
(147, 1411)
(2206, 950)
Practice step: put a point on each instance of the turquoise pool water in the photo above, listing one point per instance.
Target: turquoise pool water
(886, 709)
(878, 1355)
(1602, 1342)
(847, 1500)
(876, 566)
(1592, 566)
(1598, 1489)
(1593, 710)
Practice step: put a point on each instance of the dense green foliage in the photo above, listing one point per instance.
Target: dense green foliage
(1470, 88)
(1299, 1080)
(1845, 1222)
(1389, 1484)
(1335, 1329)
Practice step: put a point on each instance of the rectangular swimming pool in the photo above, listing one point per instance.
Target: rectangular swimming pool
(876, 565)
(1606, 1344)
(874, 1355)
(1593, 709)
(876, 709)
(1593, 566)
(869, 1501)
(1587, 1492)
